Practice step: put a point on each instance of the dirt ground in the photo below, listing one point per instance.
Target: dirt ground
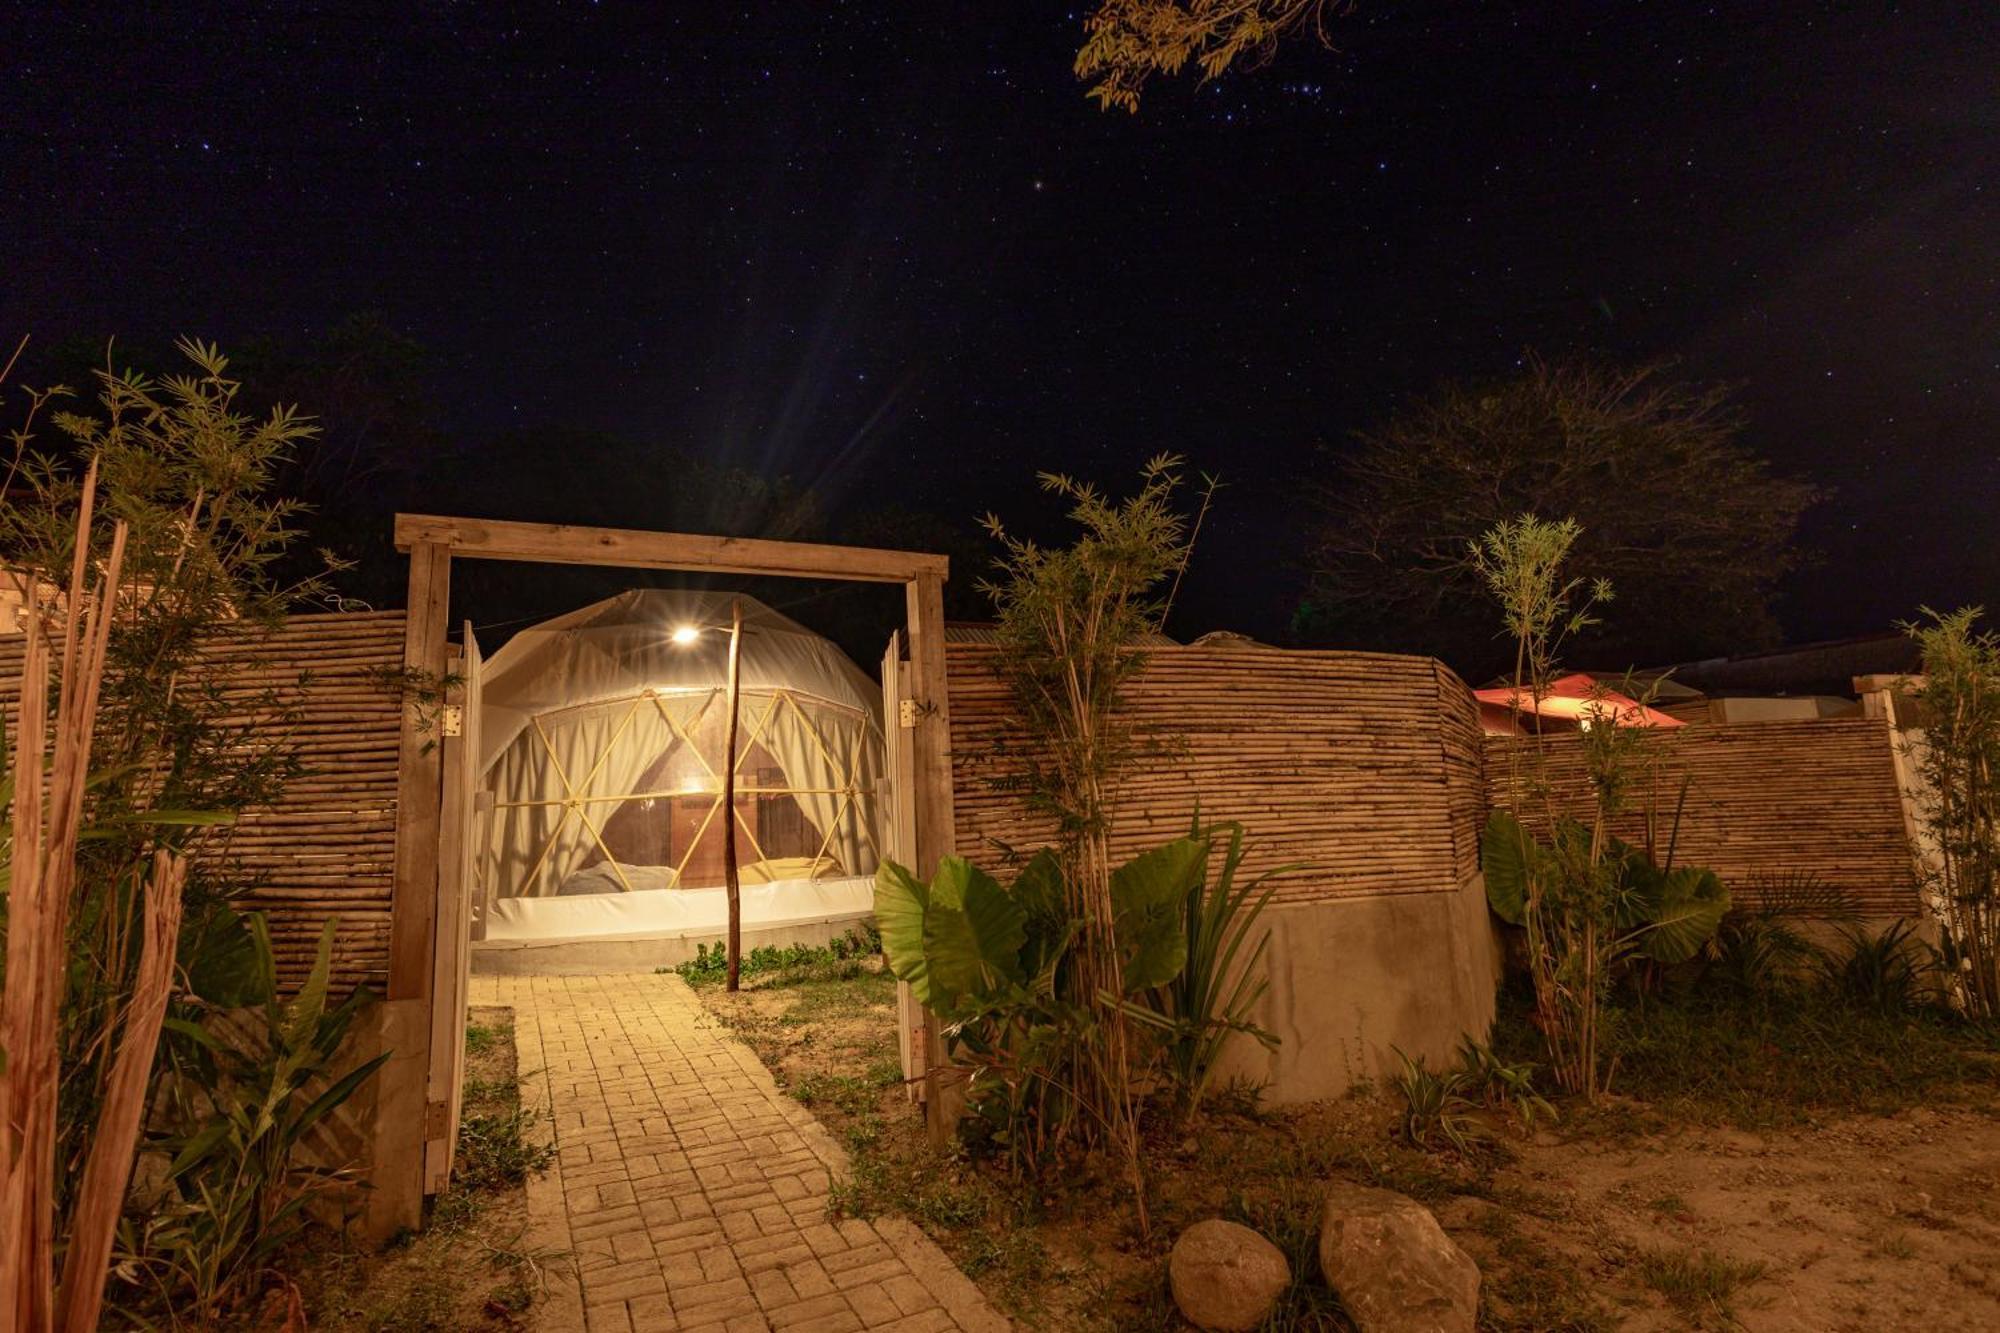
(1860, 1223)
(1866, 1223)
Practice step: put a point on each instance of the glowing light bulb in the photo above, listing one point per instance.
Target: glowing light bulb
(686, 635)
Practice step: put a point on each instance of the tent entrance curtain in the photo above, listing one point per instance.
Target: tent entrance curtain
(629, 790)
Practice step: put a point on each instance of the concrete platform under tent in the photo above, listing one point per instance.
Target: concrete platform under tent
(655, 928)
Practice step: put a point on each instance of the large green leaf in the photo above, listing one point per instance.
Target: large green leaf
(901, 901)
(223, 965)
(1039, 887)
(1687, 911)
(1149, 897)
(1040, 891)
(302, 1015)
(972, 934)
(1507, 858)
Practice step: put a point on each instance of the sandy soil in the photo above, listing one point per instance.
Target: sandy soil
(1862, 1224)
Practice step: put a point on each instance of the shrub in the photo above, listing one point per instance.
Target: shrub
(843, 957)
(1762, 950)
(237, 1105)
(1071, 630)
(1888, 971)
(1000, 966)
(1958, 762)
(1215, 994)
(1587, 901)
(189, 475)
(1436, 1111)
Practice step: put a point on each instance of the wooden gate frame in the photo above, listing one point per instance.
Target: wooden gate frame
(432, 541)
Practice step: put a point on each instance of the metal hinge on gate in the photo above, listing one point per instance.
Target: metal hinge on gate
(437, 1119)
(907, 713)
(451, 720)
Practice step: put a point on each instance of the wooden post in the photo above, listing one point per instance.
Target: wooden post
(402, 1086)
(732, 887)
(419, 779)
(930, 792)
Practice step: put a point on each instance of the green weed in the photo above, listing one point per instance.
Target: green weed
(1698, 1284)
(846, 957)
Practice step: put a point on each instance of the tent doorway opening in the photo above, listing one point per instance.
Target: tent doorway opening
(601, 829)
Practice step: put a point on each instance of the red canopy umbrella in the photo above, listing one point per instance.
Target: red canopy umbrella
(1579, 698)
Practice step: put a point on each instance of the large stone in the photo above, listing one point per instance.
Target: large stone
(1226, 1277)
(1392, 1265)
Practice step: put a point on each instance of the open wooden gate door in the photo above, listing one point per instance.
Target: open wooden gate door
(899, 843)
(458, 843)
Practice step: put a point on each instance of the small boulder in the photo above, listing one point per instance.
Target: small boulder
(1393, 1266)
(1226, 1277)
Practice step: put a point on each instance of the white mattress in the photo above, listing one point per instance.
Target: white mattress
(675, 913)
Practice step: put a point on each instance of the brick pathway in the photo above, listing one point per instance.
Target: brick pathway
(693, 1193)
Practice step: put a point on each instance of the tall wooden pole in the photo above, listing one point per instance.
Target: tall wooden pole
(731, 886)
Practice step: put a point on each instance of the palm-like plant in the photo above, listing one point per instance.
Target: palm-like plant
(1215, 996)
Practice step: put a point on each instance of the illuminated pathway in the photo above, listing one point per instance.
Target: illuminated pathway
(690, 1190)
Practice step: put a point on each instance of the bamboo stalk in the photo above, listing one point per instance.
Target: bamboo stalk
(108, 1171)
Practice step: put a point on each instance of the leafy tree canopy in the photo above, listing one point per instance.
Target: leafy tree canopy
(1126, 42)
(1688, 524)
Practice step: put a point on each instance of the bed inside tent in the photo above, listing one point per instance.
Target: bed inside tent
(602, 736)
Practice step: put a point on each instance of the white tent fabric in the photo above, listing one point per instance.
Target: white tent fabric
(603, 739)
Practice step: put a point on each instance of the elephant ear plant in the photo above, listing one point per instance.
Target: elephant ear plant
(1665, 916)
(999, 965)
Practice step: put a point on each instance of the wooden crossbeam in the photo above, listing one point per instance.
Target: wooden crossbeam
(568, 544)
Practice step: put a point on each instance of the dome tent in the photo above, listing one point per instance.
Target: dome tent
(603, 734)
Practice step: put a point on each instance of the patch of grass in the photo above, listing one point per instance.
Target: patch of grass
(482, 1038)
(1783, 1058)
(1290, 1221)
(1533, 1287)
(846, 957)
(469, 1267)
(851, 1093)
(1700, 1285)
(1895, 1245)
(1014, 1262)
(493, 1150)
(1784, 1062)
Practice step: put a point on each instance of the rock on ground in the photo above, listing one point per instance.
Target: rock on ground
(1226, 1277)
(1392, 1265)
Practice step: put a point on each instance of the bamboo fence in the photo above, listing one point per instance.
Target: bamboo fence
(1765, 802)
(324, 687)
(1371, 772)
(1362, 769)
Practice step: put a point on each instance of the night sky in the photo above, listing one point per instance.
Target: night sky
(892, 251)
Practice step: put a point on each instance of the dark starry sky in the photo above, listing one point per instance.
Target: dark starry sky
(891, 250)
